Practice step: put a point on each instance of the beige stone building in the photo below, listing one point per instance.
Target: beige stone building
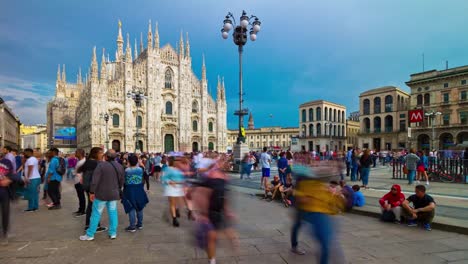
(9, 127)
(34, 137)
(322, 124)
(383, 117)
(179, 114)
(353, 128)
(271, 137)
(446, 92)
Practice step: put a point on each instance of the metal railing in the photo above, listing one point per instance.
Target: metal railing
(453, 170)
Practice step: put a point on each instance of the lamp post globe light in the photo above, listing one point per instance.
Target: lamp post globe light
(105, 116)
(138, 97)
(432, 115)
(239, 37)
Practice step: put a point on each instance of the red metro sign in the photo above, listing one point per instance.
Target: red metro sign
(416, 116)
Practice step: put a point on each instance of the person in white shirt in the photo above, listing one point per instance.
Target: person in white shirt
(80, 192)
(32, 180)
(265, 161)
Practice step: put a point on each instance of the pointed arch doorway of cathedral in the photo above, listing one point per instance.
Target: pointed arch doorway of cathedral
(116, 145)
(195, 147)
(168, 143)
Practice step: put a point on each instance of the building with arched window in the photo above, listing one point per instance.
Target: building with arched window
(328, 129)
(383, 119)
(176, 99)
(443, 91)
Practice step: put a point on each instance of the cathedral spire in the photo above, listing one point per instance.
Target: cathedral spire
(79, 80)
(103, 66)
(150, 38)
(156, 37)
(135, 51)
(141, 42)
(59, 78)
(94, 67)
(128, 51)
(203, 68)
(64, 75)
(223, 90)
(119, 43)
(187, 47)
(181, 46)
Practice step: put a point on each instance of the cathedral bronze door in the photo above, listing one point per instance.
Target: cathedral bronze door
(168, 143)
(116, 145)
(195, 147)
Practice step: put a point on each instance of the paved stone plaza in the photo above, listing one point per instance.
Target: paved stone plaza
(52, 237)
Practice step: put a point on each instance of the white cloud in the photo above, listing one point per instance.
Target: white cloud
(26, 98)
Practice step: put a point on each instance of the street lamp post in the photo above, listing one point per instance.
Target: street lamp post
(432, 115)
(105, 116)
(240, 39)
(137, 96)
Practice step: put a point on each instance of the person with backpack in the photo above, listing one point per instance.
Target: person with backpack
(55, 172)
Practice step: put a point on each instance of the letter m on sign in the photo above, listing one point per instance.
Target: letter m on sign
(416, 116)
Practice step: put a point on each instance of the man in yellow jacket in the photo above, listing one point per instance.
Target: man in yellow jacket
(315, 204)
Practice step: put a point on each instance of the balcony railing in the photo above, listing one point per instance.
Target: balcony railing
(377, 130)
(388, 129)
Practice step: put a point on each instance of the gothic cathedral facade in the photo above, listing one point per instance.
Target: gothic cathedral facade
(176, 113)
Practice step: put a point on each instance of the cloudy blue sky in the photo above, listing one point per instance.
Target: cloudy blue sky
(307, 49)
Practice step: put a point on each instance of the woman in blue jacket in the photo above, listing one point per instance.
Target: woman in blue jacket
(134, 195)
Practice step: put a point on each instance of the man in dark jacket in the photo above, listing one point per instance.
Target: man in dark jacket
(6, 175)
(105, 189)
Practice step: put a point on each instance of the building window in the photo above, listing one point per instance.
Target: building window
(463, 82)
(195, 125)
(304, 117)
(319, 129)
(211, 145)
(311, 114)
(446, 85)
(377, 106)
(139, 121)
(366, 104)
(402, 115)
(419, 99)
(446, 119)
(318, 112)
(366, 122)
(377, 124)
(446, 98)
(210, 127)
(463, 96)
(115, 120)
(427, 99)
(388, 103)
(326, 114)
(168, 79)
(168, 108)
(311, 130)
(464, 118)
(195, 107)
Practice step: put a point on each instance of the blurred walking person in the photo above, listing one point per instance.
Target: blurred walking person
(173, 182)
(6, 178)
(315, 205)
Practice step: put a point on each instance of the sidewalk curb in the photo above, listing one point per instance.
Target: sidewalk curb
(435, 225)
(363, 212)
